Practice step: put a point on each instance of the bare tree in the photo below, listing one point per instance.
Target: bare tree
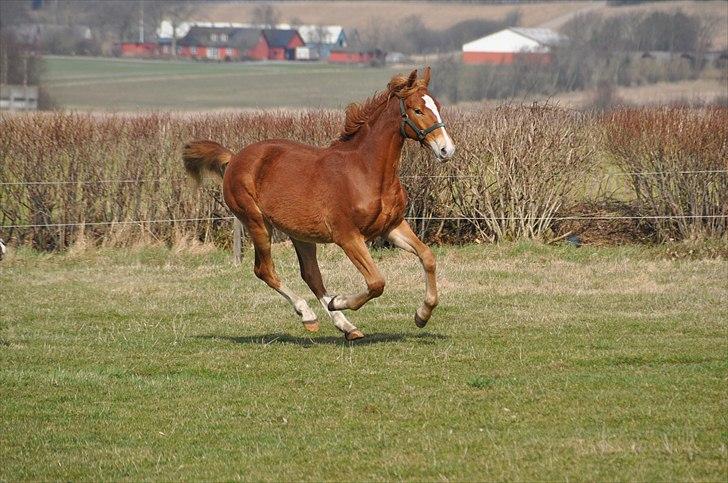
(266, 15)
(13, 12)
(176, 13)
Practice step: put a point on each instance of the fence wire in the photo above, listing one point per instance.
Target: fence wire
(413, 176)
(409, 218)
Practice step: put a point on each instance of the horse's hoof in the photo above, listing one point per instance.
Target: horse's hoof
(419, 321)
(311, 326)
(354, 335)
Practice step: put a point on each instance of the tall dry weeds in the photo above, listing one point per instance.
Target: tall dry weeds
(515, 170)
(678, 158)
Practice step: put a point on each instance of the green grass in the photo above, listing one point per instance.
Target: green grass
(541, 363)
(126, 85)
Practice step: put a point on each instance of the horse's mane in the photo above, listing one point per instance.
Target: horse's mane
(359, 113)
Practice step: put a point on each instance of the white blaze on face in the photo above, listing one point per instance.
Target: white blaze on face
(442, 145)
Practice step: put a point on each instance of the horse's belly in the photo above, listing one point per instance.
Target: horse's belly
(389, 217)
(304, 225)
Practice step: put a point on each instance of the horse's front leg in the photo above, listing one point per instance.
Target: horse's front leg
(403, 237)
(356, 249)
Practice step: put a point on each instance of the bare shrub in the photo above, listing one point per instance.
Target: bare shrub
(679, 158)
(517, 167)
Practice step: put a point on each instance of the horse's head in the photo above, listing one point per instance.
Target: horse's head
(421, 119)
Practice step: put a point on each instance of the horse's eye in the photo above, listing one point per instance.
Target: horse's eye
(417, 111)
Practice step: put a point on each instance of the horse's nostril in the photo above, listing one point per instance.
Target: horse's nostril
(443, 151)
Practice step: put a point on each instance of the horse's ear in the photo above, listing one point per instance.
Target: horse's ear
(426, 76)
(412, 78)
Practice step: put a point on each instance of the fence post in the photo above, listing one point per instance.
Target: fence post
(237, 241)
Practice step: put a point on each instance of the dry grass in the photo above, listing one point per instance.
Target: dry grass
(357, 15)
(690, 92)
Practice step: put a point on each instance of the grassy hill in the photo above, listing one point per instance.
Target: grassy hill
(125, 85)
(441, 15)
(358, 14)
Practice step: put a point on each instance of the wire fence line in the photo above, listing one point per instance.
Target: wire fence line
(413, 176)
(409, 218)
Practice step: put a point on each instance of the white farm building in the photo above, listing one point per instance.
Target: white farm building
(504, 47)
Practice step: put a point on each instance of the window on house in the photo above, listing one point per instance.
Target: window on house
(193, 50)
(223, 37)
(213, 37)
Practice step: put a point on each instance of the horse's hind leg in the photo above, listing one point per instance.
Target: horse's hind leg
(265, 270)
(312, 276)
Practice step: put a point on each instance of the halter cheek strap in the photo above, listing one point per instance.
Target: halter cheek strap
(406, 121)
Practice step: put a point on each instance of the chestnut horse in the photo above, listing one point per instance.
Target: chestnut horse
(346, 193)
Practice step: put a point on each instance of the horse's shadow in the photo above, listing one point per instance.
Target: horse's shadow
(370, 339)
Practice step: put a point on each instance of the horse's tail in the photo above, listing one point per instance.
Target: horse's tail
(202, 157)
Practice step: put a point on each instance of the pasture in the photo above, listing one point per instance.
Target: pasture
(88, 83)
(542, 362)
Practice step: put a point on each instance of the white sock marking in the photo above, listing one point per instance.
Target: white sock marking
(339, 319)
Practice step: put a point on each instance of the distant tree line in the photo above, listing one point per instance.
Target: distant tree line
(600, 52)
(88, 27)
(410, 35)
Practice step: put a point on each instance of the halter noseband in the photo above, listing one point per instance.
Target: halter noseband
(421, 133)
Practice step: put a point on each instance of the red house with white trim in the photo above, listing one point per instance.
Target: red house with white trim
(239, 43)
(217, 43)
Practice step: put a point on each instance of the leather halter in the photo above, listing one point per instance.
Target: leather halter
(421, 133)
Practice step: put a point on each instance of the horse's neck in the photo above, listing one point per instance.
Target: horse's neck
(381, 144)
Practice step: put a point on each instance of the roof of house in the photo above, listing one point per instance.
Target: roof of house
(242, 38)
(320, 34)
(540, 35)
(279, 37)
(516, 39)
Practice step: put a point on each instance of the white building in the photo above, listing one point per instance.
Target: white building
(504, 47)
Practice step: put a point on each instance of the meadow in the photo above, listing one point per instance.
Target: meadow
(541, 363)
(108, 84)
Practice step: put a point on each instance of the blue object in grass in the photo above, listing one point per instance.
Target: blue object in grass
(574, 240)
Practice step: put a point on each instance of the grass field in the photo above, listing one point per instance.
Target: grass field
(541, 363)
(108, 84)
(128, 85)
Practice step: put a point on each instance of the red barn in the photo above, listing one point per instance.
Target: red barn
(355, 56)
(276, 44)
